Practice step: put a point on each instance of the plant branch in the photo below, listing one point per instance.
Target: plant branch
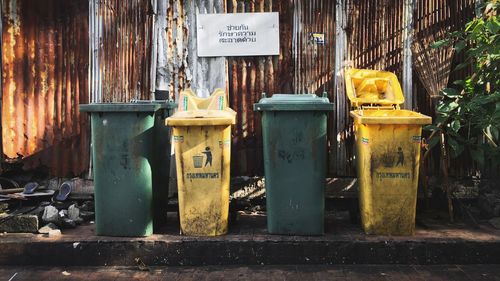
(487, 134)
(442, 124)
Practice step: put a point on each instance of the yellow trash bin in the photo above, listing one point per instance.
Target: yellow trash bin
(202, 146)
(388, 142)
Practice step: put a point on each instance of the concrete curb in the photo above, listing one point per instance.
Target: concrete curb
(253, 251)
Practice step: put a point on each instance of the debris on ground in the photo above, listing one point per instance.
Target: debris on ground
(73, 212)
(47, 228)
(50, 214)
(18, 223)
(141, 265)
(57, 204)
(53, 233)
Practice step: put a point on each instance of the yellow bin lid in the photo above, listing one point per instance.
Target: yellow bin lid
(373, 88)
(196, 111)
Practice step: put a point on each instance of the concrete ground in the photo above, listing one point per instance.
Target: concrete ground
(248, 243)
(255, 273)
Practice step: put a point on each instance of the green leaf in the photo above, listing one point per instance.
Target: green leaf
(459, 46)
(460, 148)
(478, 28)
(479, 7)
(455, 125)
(440, 43)
(431, 128)
(456, 148)
(494, 132)
(433, 141)
(459, 83)
(477, 155)
(470, 25)
(447, 106)
(440, 118)
(493, 25)
(450, 92)
(482, 100)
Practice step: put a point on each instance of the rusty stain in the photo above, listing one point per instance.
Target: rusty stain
(124, 50)
(45, 58)
(301, 67)
(45, 63)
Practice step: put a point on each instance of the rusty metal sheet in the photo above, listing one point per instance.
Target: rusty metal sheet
(301, 67)
(45, 78)
(375, 35)
(249, 77)
(314, 64)
(172, 70)
(178, 65)
(45, 63)
(374, 40)
(121, 59)
(431, 19)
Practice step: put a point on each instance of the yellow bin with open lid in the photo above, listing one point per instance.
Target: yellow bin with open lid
(388, 141)
(202, 146)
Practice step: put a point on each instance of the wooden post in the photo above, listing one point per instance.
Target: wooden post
(339, 161)
(95, 25)
(95, 89)
(154, 49)
(409, 6)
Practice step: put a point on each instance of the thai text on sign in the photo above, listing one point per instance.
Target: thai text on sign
(242, 34)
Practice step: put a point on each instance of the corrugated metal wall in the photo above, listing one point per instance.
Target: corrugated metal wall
(178, 65)
(45, 60)
(249, 77)
(374, 31)
(374, 40)
(314, 64)
(375, 34)
(45, 54)
(121, 50)
(173, 51)
(301, 67)
(432, 17)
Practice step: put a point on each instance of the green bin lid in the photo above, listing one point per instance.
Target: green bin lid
(290, 102)
(135, 106)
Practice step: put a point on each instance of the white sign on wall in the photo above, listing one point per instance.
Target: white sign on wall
(241, 34)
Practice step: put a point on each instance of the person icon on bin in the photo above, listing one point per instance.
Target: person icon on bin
(208, 153)
(401, 157)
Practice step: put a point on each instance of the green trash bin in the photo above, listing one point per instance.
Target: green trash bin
(124, 161)
(294, 130)
(161, 160)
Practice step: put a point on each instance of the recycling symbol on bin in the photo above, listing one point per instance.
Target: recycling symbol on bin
(198, 159)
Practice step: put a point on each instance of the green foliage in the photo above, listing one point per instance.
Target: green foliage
(469, 113)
